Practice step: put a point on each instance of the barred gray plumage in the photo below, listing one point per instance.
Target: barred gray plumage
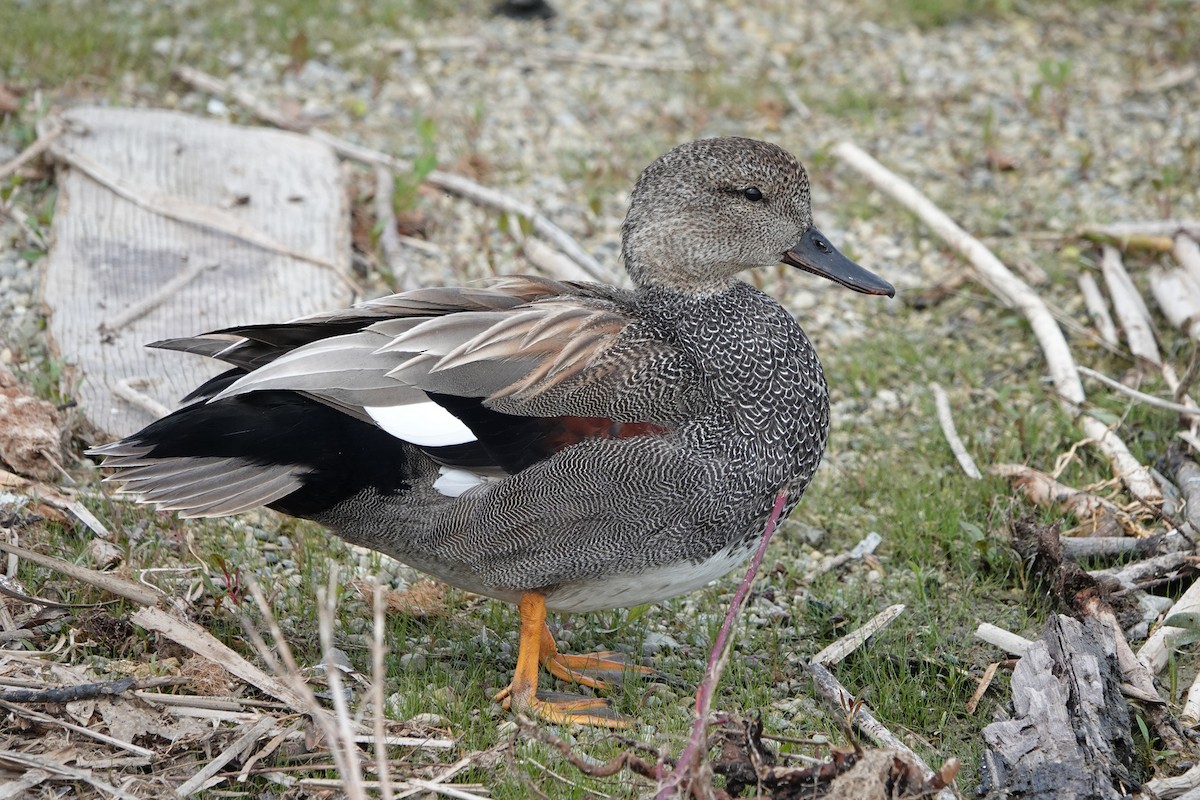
(630, 442)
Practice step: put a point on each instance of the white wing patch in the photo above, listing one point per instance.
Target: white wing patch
(426, 424)
(453, 482)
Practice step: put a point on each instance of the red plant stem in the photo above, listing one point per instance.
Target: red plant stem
(697, 741)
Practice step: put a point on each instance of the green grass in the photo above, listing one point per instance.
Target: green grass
(92, 43)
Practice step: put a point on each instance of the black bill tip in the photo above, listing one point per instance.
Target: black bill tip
(813, 253)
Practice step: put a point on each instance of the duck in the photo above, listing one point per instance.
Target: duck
(561, 445)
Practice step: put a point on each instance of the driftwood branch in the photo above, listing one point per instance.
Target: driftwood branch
(1012, 290)
(101, 580)
(1166, 228)
(852, 641)
(1007, 641)
(1179, 298)
(1156, 650)
(857, 712)
(389, 237)
(201, 642)
(1129, 307)
(1141, 397)
(1098, 308)
(46, 137)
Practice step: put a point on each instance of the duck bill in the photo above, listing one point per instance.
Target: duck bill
(813, 253)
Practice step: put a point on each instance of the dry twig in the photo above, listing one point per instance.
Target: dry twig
(239, 746)
(101, 580)
(946, 420)
(389, 237)
(857, 712)
(1141, 397)
(47, 135)
(852, 641)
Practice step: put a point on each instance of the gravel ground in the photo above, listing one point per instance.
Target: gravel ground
(1066, 98)
(1021, 127)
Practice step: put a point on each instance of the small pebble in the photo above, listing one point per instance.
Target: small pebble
(656, 642)
(413, 662)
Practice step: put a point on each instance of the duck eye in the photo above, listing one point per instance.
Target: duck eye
(752, 194)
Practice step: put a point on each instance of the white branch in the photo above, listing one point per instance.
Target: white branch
(1187, 253)
(1179, 299)
(1129, 307)
(1153, 654)
(852, 641)
(1141, 397)
(1007, 641)
(946, 419)
(1097, 308)
(1011, 289)
(1170, 227)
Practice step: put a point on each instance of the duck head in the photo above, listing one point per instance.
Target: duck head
(708, 209)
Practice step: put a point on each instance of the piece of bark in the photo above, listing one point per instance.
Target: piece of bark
(1069, 737)
(1129, 575)
(30, 440)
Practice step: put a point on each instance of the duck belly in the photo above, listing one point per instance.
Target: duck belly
(647, 586)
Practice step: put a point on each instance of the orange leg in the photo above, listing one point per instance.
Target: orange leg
(522, 695)
(598, 670)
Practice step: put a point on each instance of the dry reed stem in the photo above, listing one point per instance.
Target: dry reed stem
(378, 678)
(689, 765)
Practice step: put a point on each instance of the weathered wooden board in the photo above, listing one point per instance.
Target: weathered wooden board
(124, 270)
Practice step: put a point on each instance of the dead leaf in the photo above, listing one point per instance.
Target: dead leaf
(30, 440)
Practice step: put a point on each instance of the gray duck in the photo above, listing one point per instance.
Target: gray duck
(559, 445)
